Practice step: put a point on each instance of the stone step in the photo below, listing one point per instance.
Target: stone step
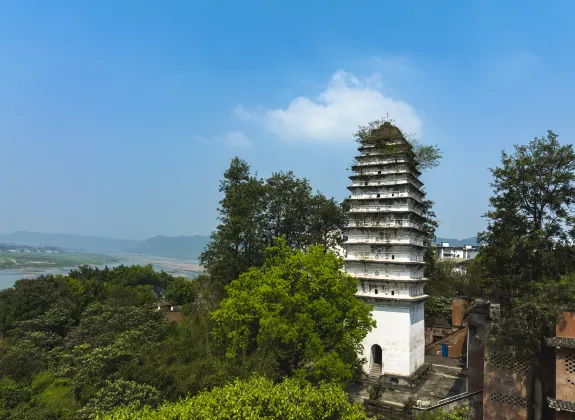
(375, 370)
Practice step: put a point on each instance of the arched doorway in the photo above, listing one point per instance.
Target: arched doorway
(376, 360)
(376, 354)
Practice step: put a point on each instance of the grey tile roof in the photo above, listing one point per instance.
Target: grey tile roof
(565, 342)
(561, 405)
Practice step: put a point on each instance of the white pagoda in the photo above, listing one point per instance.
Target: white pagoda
(385, 248)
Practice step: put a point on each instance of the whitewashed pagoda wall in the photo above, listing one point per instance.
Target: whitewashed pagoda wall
(384, 250)
(398, 329)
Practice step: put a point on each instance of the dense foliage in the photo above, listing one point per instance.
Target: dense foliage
(254, 212)
(81, 345)
(529, 260)
(257, 398)
(297, 314)
(69, 341)
(460, 413)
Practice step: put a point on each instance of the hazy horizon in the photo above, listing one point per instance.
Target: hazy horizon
(119, 120)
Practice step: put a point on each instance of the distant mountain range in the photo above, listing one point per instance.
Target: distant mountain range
(458, 242)
(182, 247)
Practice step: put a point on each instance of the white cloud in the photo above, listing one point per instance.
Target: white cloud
(335, 113)
(232, 139)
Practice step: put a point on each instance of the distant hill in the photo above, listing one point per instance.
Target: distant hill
(71, 242)
(458, 242)
(182, 247)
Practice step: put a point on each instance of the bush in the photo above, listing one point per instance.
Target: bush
(257, 398)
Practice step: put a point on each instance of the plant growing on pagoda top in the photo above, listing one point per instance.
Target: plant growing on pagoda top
(384, 134)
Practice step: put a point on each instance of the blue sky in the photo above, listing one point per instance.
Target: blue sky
(119, 118)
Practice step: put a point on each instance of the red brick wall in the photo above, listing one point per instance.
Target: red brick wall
(505, 388)
(475, 366)
(566, 325)
(458, 307)
(455, 344)
(565, 375)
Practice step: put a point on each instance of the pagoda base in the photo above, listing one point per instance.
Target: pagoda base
(413, 381)
(397, 342)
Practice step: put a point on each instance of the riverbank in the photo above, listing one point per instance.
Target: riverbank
(189, 269)
(44, 260)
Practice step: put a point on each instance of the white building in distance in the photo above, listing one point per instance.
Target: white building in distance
(465, 252)
(385, 249)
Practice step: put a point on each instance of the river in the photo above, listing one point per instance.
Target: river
(185, 268)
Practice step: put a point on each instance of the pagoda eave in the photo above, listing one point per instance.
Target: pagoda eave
(410, 299)
(366, 260)
(382, 243)
(389, 279)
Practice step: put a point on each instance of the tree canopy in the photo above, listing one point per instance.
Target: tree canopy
(254, 212)
(255, 399)
(299, 312)
(528, 259)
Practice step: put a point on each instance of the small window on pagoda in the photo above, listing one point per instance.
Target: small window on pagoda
(392, 293)
(375, 291)
(379, 172)
(393, 257)
(378, 195)
(366, 184)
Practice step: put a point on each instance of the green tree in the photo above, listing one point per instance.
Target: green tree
(180, 291)
(530, 220)
(255, 399)
(110, 337)
(119, 393)
(288, 200)
(460, 413)
(528, 237)
(29, 299)
(528, 260)
(22, 361)
(103, 322)
(236, 244)
(326, 217)
(300, 310)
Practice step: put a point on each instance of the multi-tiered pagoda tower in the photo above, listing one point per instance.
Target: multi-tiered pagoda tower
(385, 248)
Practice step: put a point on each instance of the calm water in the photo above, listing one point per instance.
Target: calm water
(9, 277)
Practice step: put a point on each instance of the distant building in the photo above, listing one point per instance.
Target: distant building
(466, 252)
(462, 255)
